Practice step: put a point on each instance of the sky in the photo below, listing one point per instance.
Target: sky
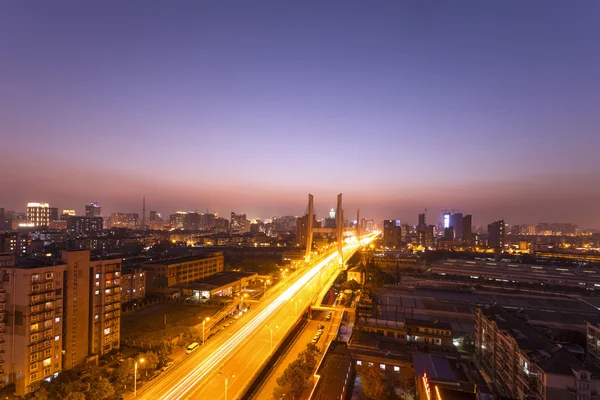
(487, 107)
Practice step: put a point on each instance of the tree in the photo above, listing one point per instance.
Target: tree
(375, 385)
(100, 389)
(150, 361)
(350, 285)
(64, 388)
(294, 377)
(124, 371)
(164, 351)
(41, 394)
(75, 396)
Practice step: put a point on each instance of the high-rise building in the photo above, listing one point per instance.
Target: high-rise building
(92, 307)
(392, 233)
(302, 229)
(191, 221)
(332, 214)
(84, 225)
(207, 221)
(66, 213)
(32, 347)
(467, 230)
(93, 210)
(124, 220)
(177, 220)
(53, 213)
(156, 221)
(4, 223)
(447, 220)
(62, 315)
(456, 223)
(496, 234)
(422, 225)
(239, 223)
(133, 285)
(38, 214)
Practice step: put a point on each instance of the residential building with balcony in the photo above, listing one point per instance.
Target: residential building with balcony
(133, 285)
(523, 363)
(31, 346)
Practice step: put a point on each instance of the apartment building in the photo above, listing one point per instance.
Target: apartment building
(163, 275)
(92, 307)
(133, 285)
(55, 315)
(31, 311)
(523, 363)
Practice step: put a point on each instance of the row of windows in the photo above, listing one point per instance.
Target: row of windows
(383, 367)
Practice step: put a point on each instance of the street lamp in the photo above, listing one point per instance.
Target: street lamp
(271, 329)
(203, 322)
(135, 368)
(226, 383)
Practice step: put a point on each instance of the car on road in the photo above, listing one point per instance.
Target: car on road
(321, 326)
(328, 316)
(315, 340)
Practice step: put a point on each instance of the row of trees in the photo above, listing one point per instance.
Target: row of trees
(68, 385)
(296, 376)
(97, 389)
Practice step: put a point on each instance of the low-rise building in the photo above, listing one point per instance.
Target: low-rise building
(163, 275)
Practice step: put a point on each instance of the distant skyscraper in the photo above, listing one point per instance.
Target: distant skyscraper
(332, 213)
(456, 222)
(239, 223)
(38, 214)
(93, 210)
(446, 220)
(53, 214)
(422, 225)
(176, 220)
(392, 233)
(3, 220)
(496, 234)
(467, 230)
(153, 215)
(124, 220)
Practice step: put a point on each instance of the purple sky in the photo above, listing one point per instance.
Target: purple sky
(488, 107)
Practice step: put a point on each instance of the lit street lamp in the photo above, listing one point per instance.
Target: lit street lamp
(135, 368)
(226, 383)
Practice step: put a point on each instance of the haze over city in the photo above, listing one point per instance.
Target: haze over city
(477, 106)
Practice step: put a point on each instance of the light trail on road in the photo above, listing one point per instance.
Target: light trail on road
(186, 385)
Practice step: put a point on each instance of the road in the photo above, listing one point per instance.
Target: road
(228, 363)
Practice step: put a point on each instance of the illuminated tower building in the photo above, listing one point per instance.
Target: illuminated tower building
(38, 214)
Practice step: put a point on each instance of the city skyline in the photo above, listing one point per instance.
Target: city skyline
(483, 108)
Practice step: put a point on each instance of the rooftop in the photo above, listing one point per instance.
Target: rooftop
(216, 281)
(436, 367)
(526, 337)
(180, 260)
(333, 371)
(429, 324)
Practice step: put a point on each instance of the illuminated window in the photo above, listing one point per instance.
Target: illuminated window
(47, 362)
(97, 291)
(97, 316)
(382, 366)
(396, 368)
(97, 276)
(57, 319)
(56, 338)
(107, 331)
(358, 362)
